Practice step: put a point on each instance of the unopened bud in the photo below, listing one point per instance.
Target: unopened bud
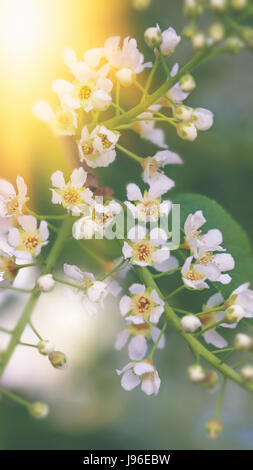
(217, 32)
(183, 113)
(218, 5)
(190, 323)
(187, 83)
(234, 45)
(125, 76)
(196, 373)
(247, 372)
(153, 37)
(234, 314)
(46, 282)
(238, 4)
(39, 410)
(243, 342)
(192, 8)
(247, 35)
(189, 31)
(187, 131)
(211, 379)
(213, 428)
(198, 40)
(141, 4)
(58, 359)
(45, 347)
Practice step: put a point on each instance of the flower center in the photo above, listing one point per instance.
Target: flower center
(12, 206)
(87, 147)
(194, 275)
(105, 141)
(149, 208)
(84, 93)
(207, 258)
(143, 252)
(143, 304)
(31, 242)
(8, 267)
(71, 196)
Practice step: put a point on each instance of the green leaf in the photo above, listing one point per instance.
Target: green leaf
(235, 239)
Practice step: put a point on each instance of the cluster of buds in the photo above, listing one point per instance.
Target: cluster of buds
(57, 358)
(225, 29)
(198, 375)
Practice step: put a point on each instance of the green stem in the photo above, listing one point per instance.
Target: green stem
(15, 397)
(158, 340)
(174, 292)
(220, 399)
(211, 327)
(91, 253)
(27, 312)
(149, 79)
(113, 270)
(171, 271)
(195, 345)
(5, 330)
(16, 289)
(197, 60)
(66, 283)
(242, 361)
(218, 351)
(129, 153)
(35, 331)
(28, 344)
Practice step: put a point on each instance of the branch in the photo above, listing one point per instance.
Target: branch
(196, 346)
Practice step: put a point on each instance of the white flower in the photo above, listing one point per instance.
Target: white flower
(145, 251)
(12, 202)
(196, 373)
(194, 275)
(142, 305)
(98, 218)
(175, 94)
(147, 207)
(190, 323)
(73, 196)
(98, 148)
(28, 240)
(195, 240)
(243, 296)
(147, 130)
(223, 261)
(199, 40)
(170, 40)
(91, 90)
(46, 282)
(127, 57)
(212, 336)
(63, 121)
(187, 83)
(92, 293)
(8, 268)
(152, 174)
(144, 373)
(202, 119)
(138, 335)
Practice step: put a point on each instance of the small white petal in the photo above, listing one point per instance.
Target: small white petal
(137, 348)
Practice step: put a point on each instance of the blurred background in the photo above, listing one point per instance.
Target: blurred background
(89, 410)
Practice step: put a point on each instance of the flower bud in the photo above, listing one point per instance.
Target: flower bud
(202, 119)
(125, 76)
(213, 428)
(141, 4)
(190, 323)
(45, 347)
(192, 8)
(247, 35)
(58, 359)
(46, 282)
(198, 41)
(218, 5)
(187, 83)
(187, 131)
(39, 410)
(238, 4)
(196, 373)
(153, 37)
(183, 113)
(247, 372)
(234, 314)
(189, 31)
(234, 45)
(211, 379)
(243, 342)
(217, 32)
